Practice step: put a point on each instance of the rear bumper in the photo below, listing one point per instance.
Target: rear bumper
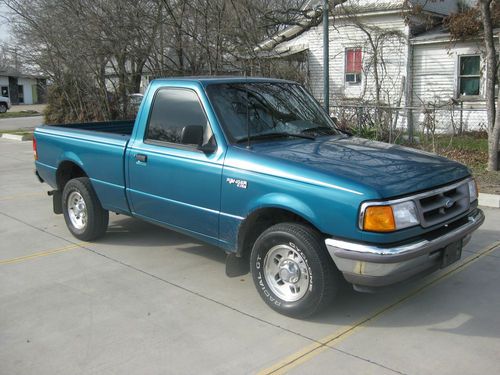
(376, 266)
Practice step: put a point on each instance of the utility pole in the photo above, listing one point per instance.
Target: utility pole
(326, 68)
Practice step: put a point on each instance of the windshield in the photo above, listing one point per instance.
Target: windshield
(271, 108)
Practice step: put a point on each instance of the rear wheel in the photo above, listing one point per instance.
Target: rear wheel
(3, 107)
(292, 270)
(83, 213)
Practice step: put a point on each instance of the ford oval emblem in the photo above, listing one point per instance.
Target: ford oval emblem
(448, 203)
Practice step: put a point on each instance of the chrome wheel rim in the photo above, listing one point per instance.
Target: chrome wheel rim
(77, 210)
(286, 272)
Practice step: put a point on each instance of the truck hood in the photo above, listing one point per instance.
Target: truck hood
(391, 170)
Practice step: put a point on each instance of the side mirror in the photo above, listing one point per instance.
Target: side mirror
(192, 135)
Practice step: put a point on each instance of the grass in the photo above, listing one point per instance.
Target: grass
(19, 114)
(470, 149)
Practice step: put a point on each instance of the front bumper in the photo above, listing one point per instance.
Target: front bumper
(375, 266)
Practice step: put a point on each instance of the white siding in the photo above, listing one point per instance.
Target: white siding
(435, 80)
(343, 34)
(4, 81)
(27, 84)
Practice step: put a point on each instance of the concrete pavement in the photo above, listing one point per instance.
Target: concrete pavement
(145, 300)
(20, 123)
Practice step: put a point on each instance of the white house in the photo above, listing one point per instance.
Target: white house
(22, 88)
(383, 52)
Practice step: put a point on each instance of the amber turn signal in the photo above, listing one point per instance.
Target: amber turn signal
(379, 219)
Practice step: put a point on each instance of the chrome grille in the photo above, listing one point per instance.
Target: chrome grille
(442, 204)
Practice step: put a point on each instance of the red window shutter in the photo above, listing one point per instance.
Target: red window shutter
(350, 56)
(353, 60)
(357, 61)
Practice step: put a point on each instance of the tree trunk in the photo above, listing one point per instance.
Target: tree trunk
(491, 72)
(493, 140)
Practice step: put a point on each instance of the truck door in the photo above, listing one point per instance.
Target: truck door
(172, 182)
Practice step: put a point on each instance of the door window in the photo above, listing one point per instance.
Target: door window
(174, 109)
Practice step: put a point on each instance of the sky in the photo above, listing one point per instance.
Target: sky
(4, 27)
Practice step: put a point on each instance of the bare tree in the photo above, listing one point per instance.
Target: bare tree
(492, 73)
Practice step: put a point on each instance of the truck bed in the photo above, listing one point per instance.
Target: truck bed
(97, 147)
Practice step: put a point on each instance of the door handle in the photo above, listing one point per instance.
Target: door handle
(141, 157)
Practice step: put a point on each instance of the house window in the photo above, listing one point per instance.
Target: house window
(353, 65)
(20, 94)
(469, 78)
(5, 91)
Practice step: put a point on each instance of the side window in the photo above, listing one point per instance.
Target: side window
(353, 65)
(469, 77)
(173, 110)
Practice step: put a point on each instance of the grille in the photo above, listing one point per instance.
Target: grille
(443, 204)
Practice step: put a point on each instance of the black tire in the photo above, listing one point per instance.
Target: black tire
(97, 218)
(3, 107)
(323, 277)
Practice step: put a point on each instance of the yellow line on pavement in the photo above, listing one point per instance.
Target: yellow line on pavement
(321, 345)
(24, 195)
(41, 254)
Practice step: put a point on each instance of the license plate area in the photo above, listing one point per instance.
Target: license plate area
(451, 253)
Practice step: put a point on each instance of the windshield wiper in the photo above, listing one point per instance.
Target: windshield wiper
(274, 135)
(320, 129)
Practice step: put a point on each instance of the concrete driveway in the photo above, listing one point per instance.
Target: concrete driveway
(145, 300)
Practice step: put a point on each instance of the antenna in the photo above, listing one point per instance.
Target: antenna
(247, 116)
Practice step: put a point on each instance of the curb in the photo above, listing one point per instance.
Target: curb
(489, 200)
(17, 137)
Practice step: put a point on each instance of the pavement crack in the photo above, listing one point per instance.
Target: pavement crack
(366, 360)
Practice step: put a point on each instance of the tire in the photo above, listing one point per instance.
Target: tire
(3, 107)
(292, 270)
(83, 213)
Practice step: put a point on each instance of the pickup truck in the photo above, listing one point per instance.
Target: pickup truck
(4, 104)
(256, 167)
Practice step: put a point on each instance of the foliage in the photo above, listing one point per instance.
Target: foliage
(96, 53)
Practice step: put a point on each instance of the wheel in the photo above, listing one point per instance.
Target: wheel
(83, 213)
(3, 107)
(292, 270)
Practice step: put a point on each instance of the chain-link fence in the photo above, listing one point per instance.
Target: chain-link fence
(391, 124)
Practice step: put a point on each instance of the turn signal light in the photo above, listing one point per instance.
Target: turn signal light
(379, 219)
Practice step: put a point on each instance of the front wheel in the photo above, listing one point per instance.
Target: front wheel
(3, 107)
(292, 270)
(83, 213)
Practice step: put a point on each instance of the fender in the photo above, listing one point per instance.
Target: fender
(285, 202)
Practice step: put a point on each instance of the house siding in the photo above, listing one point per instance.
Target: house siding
(344, 35)
(435, 81)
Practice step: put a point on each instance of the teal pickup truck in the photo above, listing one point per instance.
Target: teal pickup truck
(256, 167)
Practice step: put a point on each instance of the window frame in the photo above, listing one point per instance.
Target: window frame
(355, 82)
(479, 77)
(181, 146)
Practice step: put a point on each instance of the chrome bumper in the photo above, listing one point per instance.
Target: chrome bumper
(373, 265)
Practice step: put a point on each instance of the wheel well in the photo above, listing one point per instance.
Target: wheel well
(258, 221)
(67, 171)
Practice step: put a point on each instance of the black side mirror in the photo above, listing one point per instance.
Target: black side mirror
(192, 135)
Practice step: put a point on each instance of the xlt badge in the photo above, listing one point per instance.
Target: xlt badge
(242, 184)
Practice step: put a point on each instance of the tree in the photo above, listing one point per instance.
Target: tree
(488, 9)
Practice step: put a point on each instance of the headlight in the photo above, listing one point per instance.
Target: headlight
(388, 218)
(472, 190)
